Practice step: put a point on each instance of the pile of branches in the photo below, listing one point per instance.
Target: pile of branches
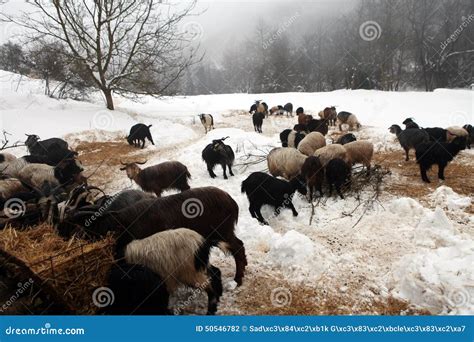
(252, 158)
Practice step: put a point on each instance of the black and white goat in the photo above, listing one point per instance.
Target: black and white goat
(207, 121)
(218, 153)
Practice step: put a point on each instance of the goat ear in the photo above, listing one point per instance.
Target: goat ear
(123, 168)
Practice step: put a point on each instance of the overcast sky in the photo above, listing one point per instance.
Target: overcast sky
(224, 21)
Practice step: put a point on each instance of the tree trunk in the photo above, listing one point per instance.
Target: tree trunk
(108, 98)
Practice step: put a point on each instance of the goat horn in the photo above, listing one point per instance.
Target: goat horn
(121, 162)
(141, 163)
(225, 138)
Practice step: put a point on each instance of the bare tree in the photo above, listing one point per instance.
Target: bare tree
(126, 46)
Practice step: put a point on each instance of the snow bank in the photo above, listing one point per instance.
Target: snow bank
(440, 275)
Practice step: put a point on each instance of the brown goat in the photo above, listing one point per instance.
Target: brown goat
(304, 119)
(211, 212)
(313, 172)
(329, 114)
(156, 178)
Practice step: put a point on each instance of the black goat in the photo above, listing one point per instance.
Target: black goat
(288, 108)
(299, 128)
(431, 153)
(262, 188)
(299, 110)
(470, 137)
(284, 137)
(321, 126)
(138, 134)
(338, 173)
(41, 148)
(346, 138)
(218, 153)
(136, 291)
(409, 123)
(437, 134)
(409, 138)
(257, 120)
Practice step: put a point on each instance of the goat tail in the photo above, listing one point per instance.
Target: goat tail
(242, 187)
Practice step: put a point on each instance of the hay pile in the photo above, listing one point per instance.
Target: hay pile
(73, 269)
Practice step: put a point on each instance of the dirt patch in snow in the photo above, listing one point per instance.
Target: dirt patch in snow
(405, 173)
(268, 295)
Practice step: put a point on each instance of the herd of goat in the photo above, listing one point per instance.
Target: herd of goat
(161, 242)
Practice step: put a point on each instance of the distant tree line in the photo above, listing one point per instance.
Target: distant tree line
(379, 44)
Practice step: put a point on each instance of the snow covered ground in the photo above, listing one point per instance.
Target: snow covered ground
(416, 249)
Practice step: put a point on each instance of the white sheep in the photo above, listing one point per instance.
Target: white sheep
(6, 157)
(329, 152)
(207, 121)
(13, 167)
(285, 162)
(9, 187)
(455, 131)
(181, 257)
(360, 152)
(36, 175)
(311, 143)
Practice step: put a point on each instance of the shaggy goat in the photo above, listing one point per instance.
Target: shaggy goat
(181, 257)
(207, 121)
(409, 138)
(137, 291)
(311, 143)
(288, 108)
(431, 153)
(209, 211)
(338, 173)
(156, 178)
(264, 189)
(138, 134)
(346, 138)
(360, 152)
(313, 173)
(257, 119)
(285, 162)
(329, 152)
(218, 153)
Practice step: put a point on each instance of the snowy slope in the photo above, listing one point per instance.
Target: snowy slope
(418, 253)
